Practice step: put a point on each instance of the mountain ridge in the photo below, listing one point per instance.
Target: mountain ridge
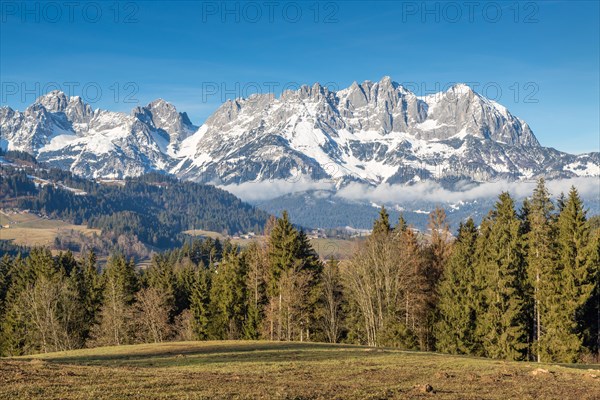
(372, 133)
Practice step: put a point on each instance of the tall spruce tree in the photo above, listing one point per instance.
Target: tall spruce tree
(292, 262)
(120, 286)
(90, 288)
(436, 256)
(228, 297)
(283, 250)
(255, 258)
(455, 330)
(402, 224)
(591, 312)
(542, 268)
(574, 283)
(200, 304)
(382, 224)
(501, 325)
(12, 325)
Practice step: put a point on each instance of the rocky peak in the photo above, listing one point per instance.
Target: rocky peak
(163, 115)
(78, 111)
(55, 101)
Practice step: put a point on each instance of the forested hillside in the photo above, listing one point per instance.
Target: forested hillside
(524, 285)
(155, 208)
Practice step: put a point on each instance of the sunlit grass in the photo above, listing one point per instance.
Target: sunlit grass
(272, 370)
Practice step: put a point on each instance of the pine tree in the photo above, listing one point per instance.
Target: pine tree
(541, 266)
(200, 303)
(66, 263)
(5, 283)
(501, 325)
(436, 252)
(40, 263)
(574, 283)
(228, 298)
(13, 326)
(292, 263)
(90, 288)
(382, 224)
(402, 225)
(120, 286)
(455, 331)
(283, 249)
(591, 311)
(255, 258)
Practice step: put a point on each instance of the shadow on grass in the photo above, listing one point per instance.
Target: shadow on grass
(203, 353)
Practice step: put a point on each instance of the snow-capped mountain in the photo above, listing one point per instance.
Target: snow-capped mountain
(67, 133)
(373, 132)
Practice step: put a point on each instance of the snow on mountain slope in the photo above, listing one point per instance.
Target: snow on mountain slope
(373, 133)
(68, 134)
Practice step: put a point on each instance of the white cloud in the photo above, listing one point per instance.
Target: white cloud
(434, 192)
(588, 187)
(266, 190)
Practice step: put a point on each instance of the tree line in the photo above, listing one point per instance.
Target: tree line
(153, 208)
(524, 285)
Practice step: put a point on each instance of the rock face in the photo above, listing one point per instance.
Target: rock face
(68, 134)
(373, 132)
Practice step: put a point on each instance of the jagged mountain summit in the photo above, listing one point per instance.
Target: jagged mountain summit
(67, 133)
(373, 132)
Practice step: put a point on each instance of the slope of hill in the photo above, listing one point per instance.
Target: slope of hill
(155, 208)
(284, 370)
(371, 136)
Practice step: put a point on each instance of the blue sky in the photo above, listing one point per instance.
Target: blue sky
(540, 59)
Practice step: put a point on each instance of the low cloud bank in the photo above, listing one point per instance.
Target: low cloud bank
(588, 187)
(266, 190)
(434, 192)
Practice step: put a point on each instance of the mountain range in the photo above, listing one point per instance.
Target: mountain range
(370, 133)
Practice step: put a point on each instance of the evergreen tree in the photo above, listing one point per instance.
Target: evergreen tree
(5, 283)
(574, 286)
(292, 263)
(255, 258)
(66, 263)
(402, 225)
(200, 303)
(591, 311)
(227, 298)
(90, 288)
(382, 224)
(436, 256)
(283, 250)
(120, 287)
(455, 331)
(13, 328)
(542, 268)
(501, 325)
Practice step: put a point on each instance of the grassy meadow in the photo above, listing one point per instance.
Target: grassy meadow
(284, 370)
(30, 230)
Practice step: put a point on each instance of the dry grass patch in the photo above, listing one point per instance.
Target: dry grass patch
(30, 230)
(279, 370)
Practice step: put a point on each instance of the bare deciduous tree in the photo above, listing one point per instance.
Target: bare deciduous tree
(152, 310)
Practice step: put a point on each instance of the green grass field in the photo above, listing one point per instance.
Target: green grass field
(280, 370)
